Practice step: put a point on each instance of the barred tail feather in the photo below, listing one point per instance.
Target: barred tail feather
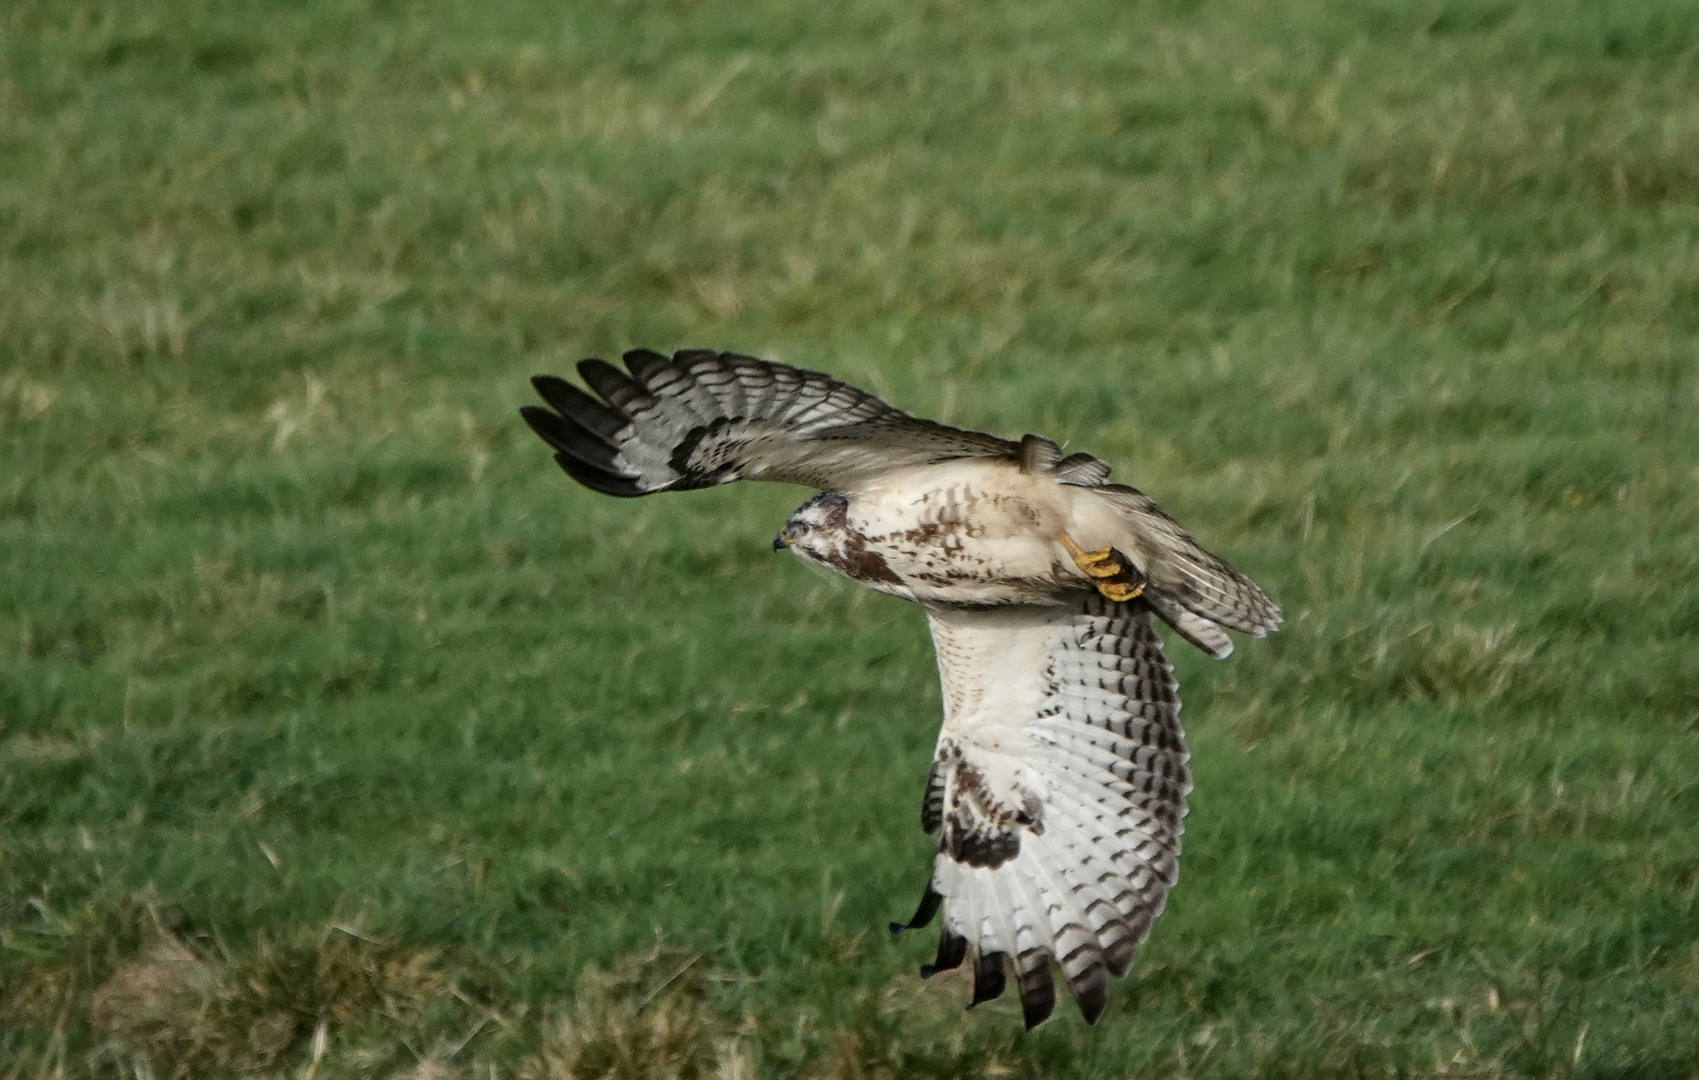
(1194, 590)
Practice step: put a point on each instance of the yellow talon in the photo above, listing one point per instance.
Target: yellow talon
(1111, 575)
(1120, 590)
(1097, 562)
(1101, 563)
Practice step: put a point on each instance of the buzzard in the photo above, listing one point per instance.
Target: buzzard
(1059, 780)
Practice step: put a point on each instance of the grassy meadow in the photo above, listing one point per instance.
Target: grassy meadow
(342, 736)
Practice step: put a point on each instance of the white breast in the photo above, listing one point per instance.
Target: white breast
(965, 532)
(992, 666)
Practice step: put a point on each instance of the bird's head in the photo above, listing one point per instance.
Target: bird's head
(817, 530)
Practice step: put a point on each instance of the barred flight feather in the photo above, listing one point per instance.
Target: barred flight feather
(1080, 882)
(702, 418)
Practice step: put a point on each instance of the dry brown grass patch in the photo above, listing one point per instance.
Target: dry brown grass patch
(181, 1011)
(648, 1018)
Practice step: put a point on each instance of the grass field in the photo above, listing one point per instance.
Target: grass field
(341, 736)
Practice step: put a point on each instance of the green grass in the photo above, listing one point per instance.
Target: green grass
(340, 735)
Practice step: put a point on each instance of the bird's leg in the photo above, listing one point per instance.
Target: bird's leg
(1108, 569)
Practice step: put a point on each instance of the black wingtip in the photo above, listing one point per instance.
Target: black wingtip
(565, 435)
(548, 386)
(1092, 1002)
(596, 365)
(542, 421)
(952, 950)
(595, 416)
(930, 901)
(1038, 994)
(644, 363)
(988, 978)
(596, 480)
(615, 386)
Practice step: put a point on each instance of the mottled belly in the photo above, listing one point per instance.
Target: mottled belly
(963, 544)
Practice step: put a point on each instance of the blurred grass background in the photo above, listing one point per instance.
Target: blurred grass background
(341, 736)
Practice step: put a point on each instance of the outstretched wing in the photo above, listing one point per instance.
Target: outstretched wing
(1057, 794)
(702, 418)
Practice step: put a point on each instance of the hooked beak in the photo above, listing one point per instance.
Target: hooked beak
(781, 541)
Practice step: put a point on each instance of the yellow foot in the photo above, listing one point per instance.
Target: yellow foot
(1108, 570)
(1119, 590)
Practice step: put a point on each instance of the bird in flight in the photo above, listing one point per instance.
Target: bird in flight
(1059, 780)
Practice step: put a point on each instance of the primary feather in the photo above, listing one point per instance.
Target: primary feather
(705, 418)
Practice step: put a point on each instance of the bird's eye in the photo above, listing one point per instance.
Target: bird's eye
(802, 528)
